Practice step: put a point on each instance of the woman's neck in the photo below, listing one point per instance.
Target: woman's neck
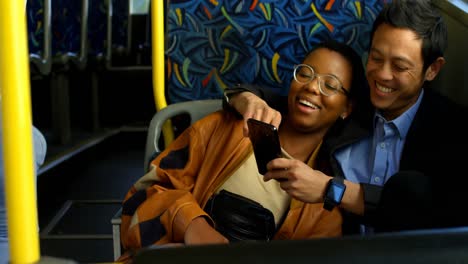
(299, 145)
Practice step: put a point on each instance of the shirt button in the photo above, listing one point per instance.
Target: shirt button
(377, 179)
(382, 145)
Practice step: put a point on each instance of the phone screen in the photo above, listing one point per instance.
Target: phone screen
(265, 143)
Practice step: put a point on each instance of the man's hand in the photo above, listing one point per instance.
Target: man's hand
(297, 179)
(251, 106)
(199, 232)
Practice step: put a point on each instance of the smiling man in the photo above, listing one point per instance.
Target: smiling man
(400, 160)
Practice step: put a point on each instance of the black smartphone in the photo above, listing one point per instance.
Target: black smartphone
(265, 142)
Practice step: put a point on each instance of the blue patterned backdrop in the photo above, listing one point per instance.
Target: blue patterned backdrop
(214, 44)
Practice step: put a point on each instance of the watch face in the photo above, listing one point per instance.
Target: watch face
(336, 191)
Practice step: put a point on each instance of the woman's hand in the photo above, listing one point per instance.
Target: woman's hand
(251, 106)
(199, 232)
(297, 179)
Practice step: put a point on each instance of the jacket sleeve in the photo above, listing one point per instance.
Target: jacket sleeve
(273, 99)
(160, 205)
(329, 224)
(310, 220)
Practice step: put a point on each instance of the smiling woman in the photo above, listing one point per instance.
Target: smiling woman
(411, 135)
(185, 193)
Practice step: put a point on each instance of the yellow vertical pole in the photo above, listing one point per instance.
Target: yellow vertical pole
(17, 134)
(158, 35)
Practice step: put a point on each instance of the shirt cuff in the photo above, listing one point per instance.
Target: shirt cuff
(372, 195)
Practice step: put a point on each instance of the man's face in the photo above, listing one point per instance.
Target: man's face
(394, 70)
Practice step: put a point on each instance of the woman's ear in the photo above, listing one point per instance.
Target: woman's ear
(434, 68)
(348, 109)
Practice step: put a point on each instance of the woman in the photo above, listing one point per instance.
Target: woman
(208, 175)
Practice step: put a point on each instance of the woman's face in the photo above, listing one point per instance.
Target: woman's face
(309, 109)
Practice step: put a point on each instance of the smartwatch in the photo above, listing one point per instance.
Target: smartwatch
(333, 193)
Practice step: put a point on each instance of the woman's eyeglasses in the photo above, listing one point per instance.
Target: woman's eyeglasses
(328, 84)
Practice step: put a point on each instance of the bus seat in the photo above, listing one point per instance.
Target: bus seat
(127, 34)
(118, 35)
(143, 44)
(196, 110)
(217, 44)
(69, 49)
(70, 28)
(97, 36)
(39, 36)
(97, 30)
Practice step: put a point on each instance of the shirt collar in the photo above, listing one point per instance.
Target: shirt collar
(403, 122)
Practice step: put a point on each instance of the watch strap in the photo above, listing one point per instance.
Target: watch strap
(329, 203)
(226, 96)
(231, 91)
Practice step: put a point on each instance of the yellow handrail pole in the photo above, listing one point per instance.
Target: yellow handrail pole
(158, 35)
(17, 135)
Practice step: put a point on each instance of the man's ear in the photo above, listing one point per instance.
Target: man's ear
(434, 68)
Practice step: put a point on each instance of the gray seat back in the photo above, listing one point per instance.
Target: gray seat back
(196, 109)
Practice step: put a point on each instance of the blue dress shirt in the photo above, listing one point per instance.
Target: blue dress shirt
(374, 159)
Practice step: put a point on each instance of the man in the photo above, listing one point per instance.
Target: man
(401, 161)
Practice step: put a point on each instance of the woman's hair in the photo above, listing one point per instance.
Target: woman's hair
(359, 95)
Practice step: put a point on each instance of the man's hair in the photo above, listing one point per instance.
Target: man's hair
(421, 17)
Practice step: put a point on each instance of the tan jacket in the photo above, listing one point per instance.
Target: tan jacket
(159, 207)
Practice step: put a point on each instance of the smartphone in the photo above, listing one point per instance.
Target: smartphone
(265, 143)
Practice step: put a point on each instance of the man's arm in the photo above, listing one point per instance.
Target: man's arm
(249, 101)
(308, 185)
(273, 99)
